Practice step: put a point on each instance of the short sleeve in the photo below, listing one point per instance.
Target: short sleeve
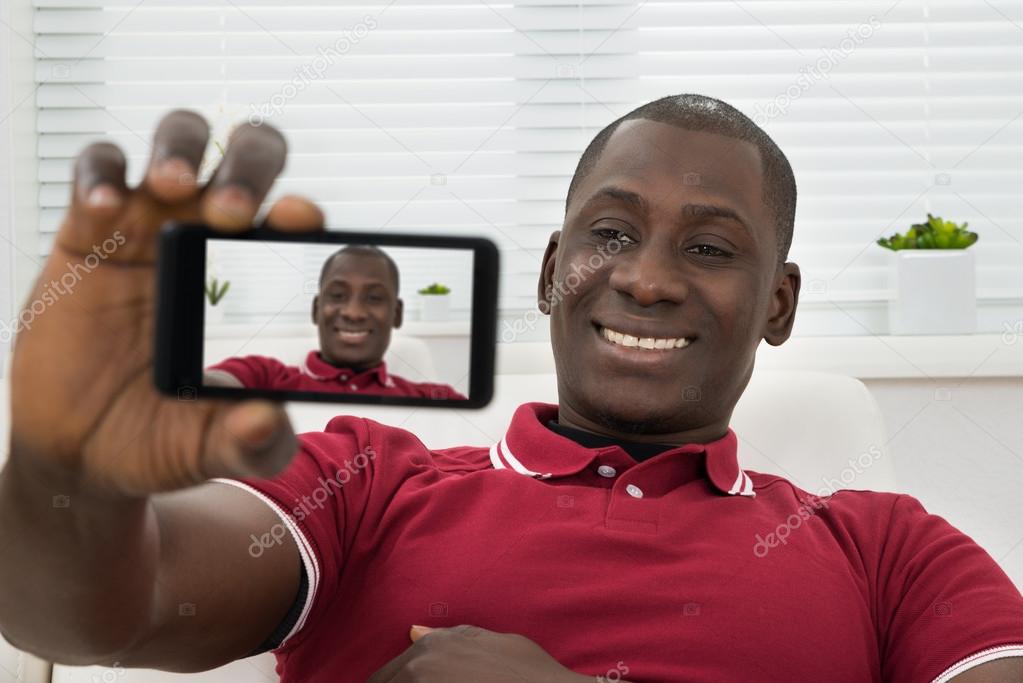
(316, 497)
(944, 605)
(254, 372)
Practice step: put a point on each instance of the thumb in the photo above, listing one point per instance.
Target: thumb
(250, 439)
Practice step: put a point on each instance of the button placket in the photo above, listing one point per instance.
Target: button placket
(628, 510)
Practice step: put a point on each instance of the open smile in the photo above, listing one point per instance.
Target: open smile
(641, 348)
(636, 342)
(353, 336)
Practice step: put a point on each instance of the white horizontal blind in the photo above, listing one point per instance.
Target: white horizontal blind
(273, 283)
(468, 116)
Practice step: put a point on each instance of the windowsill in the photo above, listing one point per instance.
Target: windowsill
(900, 357)
(411, 328)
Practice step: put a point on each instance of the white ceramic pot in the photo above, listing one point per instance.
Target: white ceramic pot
(935, 292)
(434, 307)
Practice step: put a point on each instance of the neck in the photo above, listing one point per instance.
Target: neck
(350, 366)
(639, 433)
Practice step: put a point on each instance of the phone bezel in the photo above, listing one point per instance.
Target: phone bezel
(180, 312)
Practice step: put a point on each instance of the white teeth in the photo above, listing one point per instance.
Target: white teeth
(629, 341)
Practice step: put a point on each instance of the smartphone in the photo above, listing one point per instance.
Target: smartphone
(335, 316)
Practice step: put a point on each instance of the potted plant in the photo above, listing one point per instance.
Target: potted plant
(434, 300)
(934, 274)
(215, 291)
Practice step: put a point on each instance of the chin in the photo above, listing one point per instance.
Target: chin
(622, 413)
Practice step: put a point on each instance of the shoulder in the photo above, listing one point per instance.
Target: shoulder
(425, 389)
(388, 447)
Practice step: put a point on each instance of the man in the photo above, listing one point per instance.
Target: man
(610, 535)
(354, 311)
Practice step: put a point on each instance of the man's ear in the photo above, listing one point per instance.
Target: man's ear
(399, 314)
(545, 286)
(782, 314)
(315, 309)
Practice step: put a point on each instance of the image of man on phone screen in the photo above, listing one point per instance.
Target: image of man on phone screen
(355, 310)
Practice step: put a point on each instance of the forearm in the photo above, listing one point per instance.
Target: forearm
(77, 573)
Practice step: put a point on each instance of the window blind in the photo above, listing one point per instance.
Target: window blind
(468, 116)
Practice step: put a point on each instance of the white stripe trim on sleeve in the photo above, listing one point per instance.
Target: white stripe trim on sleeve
(982, 657)
(305, 549)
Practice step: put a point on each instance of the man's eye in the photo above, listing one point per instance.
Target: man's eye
(708, 250)
(613, 235)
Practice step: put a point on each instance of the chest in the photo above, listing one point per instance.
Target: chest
(669, 587)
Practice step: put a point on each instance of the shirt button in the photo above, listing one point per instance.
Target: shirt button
(634, 491)
(344, 377)
(606, 471)
(354, 387)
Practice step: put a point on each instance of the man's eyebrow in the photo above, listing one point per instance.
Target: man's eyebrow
(691, 211)
(621, 195)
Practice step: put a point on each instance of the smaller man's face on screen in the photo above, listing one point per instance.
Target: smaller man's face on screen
(356, 309)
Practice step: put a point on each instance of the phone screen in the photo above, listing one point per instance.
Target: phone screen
(334, 317)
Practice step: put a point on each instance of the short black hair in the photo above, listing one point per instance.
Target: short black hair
(706, 114)
(363, 250)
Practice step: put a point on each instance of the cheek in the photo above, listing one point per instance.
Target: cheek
(573, 279)
(733, 304)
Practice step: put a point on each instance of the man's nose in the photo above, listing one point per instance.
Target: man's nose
(650, 274)
(354, 310)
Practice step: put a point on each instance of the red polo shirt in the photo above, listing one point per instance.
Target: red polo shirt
(315, 374)
(682, 567)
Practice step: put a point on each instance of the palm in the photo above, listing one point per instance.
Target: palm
(82, 392)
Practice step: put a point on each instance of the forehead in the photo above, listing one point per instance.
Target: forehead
(670, 165)
(360, 265)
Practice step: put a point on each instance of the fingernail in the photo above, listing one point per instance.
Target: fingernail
(103, 197)
(417, 632)
(176, 169)
(232, 204)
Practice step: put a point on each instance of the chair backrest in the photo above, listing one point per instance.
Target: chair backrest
(821, 431)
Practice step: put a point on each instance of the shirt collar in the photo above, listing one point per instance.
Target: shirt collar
(531, 449)
(319, 369)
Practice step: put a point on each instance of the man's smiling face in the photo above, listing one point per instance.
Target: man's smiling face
(686, 262)
(356, 309)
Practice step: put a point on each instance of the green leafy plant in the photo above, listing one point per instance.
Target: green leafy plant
(215, 290)
(936, 233)
(434, 289)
